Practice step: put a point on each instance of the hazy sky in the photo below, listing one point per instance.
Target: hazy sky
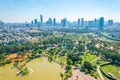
(27, 10)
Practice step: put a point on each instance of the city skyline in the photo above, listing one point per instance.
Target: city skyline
(27, 10)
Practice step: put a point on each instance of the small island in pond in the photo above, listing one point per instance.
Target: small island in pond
(24, 72)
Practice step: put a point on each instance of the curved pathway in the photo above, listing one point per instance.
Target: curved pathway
(99, 72)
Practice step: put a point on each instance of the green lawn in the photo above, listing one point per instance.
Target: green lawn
(98, 62)
(61, 60)
(88, 57)
(113, 69)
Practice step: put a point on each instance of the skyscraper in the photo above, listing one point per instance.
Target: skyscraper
(91, 24)
(32, 22)
(78, 22)
(64, 22)
(35, 21)
(49, 22)
(54, 22)
(1, 24)
(82, 22)
(95, 22)
(110, 22)
(41, 19)
(101, 23)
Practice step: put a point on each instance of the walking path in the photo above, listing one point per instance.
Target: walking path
(99, 72)
(98, 69)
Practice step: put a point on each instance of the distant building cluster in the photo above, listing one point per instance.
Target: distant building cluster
(80, 23)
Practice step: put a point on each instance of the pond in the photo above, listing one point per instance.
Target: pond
(42, 70)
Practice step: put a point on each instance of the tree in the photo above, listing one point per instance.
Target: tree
(73, 57)
(81, 48)
(62, 76)
(69, 62)
(68, 67)
(88, 66)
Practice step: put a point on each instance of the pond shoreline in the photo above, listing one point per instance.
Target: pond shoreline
(38, 69)
(19, 73)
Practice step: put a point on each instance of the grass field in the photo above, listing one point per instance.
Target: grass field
(88, 57)
(113, 69)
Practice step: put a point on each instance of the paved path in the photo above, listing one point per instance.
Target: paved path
(99, 72)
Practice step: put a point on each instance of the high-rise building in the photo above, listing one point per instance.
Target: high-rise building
(86, 25)
(91, 23)
(35, 21)
(101, 23)
(32, 22)
(82, 22)
(95, 22)
(78, 22)
(41, 19)
(54, 22)
(1, 24)
(64, 22)
(110, 22)
(49, 22)
(27, 24)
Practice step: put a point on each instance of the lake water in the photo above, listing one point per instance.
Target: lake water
(42, 70)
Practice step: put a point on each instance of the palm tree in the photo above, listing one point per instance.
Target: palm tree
(62, 76)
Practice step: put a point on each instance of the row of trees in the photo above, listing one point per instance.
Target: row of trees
(111, 57)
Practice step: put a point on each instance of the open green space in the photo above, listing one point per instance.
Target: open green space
(88, 57)
(112, 69)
